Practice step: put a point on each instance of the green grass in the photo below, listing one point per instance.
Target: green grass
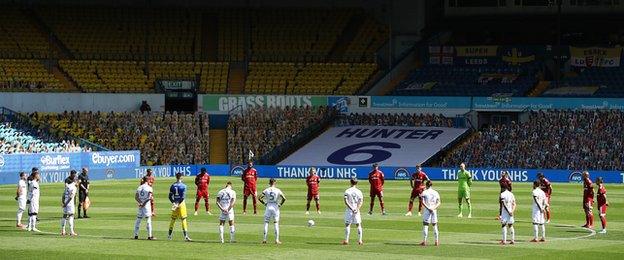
(108, 233)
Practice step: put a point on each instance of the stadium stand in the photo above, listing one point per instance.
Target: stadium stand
(16, 137)
(562, 139)
(28, 75)
(19, 38)
(262, 129)
(366, 42)
(595, 82)
(163, 138)
(402, 119)
(468, 80)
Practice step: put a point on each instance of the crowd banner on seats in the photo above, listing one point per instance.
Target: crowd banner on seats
(595, 57)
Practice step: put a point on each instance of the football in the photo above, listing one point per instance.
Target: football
(311, 223)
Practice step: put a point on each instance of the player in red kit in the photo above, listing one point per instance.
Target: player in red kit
(202, 180)
(149, 178)
(547, 188)
(249, 177)
(417, 181)
(313, 181)
(376, 180)
(588, 200)
(602, 204)
(505, 184)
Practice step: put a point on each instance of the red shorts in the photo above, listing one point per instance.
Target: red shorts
(313, 195)
(376, 192)
(603, 209)
(249, 191)
(202, 194)
(416, 193)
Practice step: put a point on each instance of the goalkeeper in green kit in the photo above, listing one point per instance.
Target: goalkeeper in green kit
(464, 179)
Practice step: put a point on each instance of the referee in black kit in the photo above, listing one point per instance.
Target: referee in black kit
(83, 192)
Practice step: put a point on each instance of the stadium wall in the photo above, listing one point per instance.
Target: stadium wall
(59, 102)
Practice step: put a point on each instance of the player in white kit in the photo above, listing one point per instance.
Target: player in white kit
(431, 202)
(508, 204)
(20, 197)
(33, 199)
(274, 200)
(353, 199)
(143, 196)
(67, 202)
(540, 205)
(225, 201)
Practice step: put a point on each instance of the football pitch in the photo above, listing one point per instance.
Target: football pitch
(108, 233)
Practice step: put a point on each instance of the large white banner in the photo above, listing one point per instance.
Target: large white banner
(364, 145)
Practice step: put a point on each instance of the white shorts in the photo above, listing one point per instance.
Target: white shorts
(352, 218)
(34, 207)
(70, 209)
(21, 204)
(430, 217)
(272, 212)
(506, 219)
(144, 212)
(538, 217)
(227, 217)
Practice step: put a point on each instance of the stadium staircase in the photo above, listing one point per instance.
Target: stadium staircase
(218, 146)
(346, 37)
(209, 37)
(236, 78)
(46, 32)
(539, 88)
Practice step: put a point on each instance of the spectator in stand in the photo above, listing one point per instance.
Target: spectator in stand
(145, 107)
(555, 139)
(262, 129)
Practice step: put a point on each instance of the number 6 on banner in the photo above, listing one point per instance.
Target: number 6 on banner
(376, 155)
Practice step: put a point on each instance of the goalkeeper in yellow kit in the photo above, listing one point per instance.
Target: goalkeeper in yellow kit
(464, 179)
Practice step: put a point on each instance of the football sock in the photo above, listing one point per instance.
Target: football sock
(184, 225)
(513, 233)
(308, 206)
(318, 205)
(20, 212)
(591, 219)
(603, 221)
(63, 222)
(543, 231)
(207, 205)
(254, 204)
(244, 203)
(196, 204)
(149, 226)
(232, 232)
(372, 204)
(381, 203)
(137, 225)
(277, 231)
(71, 224)
(535, 231)
(221, 232)
(459, 207)
(172, 223)
(410, 206)
(347, 233)
(266, 230)
(505, 233)
(359, 231)
(420, 205)
(469, 208)
(425, 232)
(436, 234)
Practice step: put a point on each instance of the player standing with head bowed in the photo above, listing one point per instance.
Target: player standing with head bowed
(464, 179)
(540, 204)
(202, 180)
(353, 199)
(508, 203)
(313, 181)
(226, 198)
(376, 180)
(250, 178)
(417, 181)
(588, 200)
(505, 184)
(602, 204)
(143, 196)
(67, 203)
(177, 193)
(150, 180)
(20, 197)
(274, 200)
(431, 200)
(33, 199)
(547, 188)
